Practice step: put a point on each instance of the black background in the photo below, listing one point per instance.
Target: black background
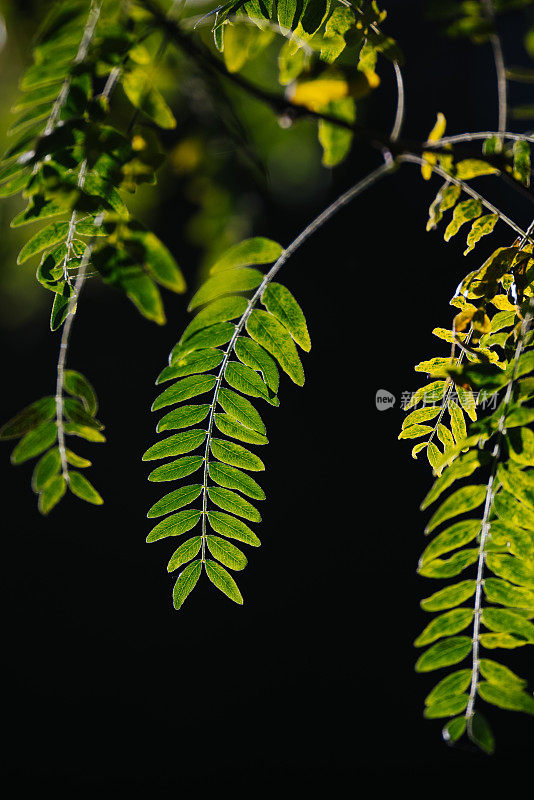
(310, 684)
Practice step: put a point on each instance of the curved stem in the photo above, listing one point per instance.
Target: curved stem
(399, 114)
(411, 158)
(308, 231)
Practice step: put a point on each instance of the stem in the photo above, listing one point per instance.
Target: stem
(63, 347)
(81, 55)
(411, 158)
(309, 230)
(399, 114)
(498, 57)
(474, 135)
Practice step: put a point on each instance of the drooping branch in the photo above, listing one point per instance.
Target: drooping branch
(345, 198)
(411, 158)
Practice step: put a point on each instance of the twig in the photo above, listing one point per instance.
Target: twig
(411, 158)
(498, 57)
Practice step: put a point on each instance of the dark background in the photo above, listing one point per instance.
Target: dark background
(311, 682)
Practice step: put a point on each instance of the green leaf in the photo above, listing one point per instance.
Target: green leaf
(175, 500)
(447, 707)
(175, 445)
(492, 641)
(481, 227)
(286, 11)
(234, 503)
(281, 304)
(270, 334)
(446, 624)
(193, 364)
(29, 418)
(500, 675)
(75, 412)
(214, 336)
(145, 97)
(464, 212)
(521, 151)
(227, 553)
(76, 461)
(235, 280)
(501, 620)
(230, 427)
(235, 455)
(449, 567)
(233, 478)
(46, 468)
(175, 525)
(184, 389)
(462, 467)
(52, 494)
(44, 238)
(449, 597)
(80, 486)
(480, 733)
(77, 385)
(512, 512)
(454, 729)
(465, 499)
(420, 415)
(257, 250)
(187, 580)
(506, 698)
(174, 470)
(183, 417)
(450, 539)
(334, 139)
(223, 581)
(444, 653)
(60, 307)
(221, 310)
(255, 356)
(415, 431)
(84, 432)
(232, 528)
(245, 380)
(35, 442)
(457, 422)
(499, 591)
(157, 259)
(455, 683)
(184, 553)
(145, 295)
(241, 409)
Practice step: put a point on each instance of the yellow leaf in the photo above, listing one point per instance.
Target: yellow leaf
(435, 134)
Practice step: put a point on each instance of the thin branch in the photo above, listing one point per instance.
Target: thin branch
(471, 137)
(399, 114)
(310, 229)
(63, 347)
(500, 68)
(81, 55)
(411, 158)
